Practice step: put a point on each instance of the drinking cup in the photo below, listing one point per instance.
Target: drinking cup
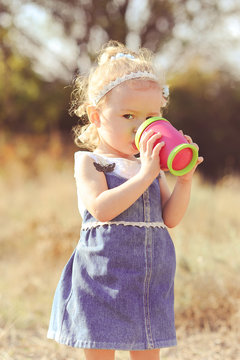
(177, 155)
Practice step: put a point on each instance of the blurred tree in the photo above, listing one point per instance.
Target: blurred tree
(69, 33)
(152, 19)
(208, 30)
(207, 106)
(27, 102)
(83, 26)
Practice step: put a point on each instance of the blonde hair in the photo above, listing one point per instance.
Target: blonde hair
(87, 88)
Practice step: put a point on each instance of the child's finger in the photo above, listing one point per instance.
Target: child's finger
(196, 145)
(188, 138)
(152, 141)
(148, 139)
(199, 161)
(144, 139)
(158, 148)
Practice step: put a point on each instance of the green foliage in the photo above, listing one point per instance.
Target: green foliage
(27, 102)
(207, 106)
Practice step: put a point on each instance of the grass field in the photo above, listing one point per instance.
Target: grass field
(40, 227)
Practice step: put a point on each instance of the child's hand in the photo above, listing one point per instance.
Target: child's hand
(200, 159)
(149, 153)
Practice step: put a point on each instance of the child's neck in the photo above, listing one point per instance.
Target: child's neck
(113, 153)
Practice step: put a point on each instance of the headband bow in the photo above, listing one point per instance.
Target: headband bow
(122, 55)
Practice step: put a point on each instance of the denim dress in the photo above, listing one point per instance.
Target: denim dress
(117, 289)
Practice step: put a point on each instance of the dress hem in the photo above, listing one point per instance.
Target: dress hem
(89, 344)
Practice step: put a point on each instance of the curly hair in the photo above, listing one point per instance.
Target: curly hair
(86, 88)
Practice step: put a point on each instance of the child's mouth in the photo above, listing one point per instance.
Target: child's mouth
(134, 146)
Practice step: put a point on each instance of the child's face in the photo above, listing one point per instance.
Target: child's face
(125, 108)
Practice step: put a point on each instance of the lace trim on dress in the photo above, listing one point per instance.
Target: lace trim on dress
(94, 224)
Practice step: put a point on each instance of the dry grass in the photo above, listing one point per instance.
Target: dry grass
(40, 227)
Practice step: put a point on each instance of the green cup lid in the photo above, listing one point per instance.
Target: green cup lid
(191, 164)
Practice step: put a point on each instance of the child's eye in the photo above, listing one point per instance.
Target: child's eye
(128, 116)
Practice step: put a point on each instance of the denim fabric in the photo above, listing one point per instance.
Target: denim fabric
(117, 289)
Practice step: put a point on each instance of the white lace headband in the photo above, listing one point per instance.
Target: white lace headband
(113, 84)
(132, 75)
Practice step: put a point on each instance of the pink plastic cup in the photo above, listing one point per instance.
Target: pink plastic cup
(177, 156)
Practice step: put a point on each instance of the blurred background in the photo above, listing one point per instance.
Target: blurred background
(43, 44)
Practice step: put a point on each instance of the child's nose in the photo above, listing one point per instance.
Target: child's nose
(138, 123)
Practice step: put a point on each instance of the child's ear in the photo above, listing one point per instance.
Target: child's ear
(93, 115)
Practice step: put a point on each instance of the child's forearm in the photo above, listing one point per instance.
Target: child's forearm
(176, 206)
(112, 202)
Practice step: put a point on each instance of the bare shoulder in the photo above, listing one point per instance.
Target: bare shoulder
(83, 164)
(83, 158)
(90, 180)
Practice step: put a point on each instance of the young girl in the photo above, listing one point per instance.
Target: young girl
(116, 291)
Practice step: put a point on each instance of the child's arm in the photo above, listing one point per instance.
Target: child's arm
(105, 204)
(175, 205)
